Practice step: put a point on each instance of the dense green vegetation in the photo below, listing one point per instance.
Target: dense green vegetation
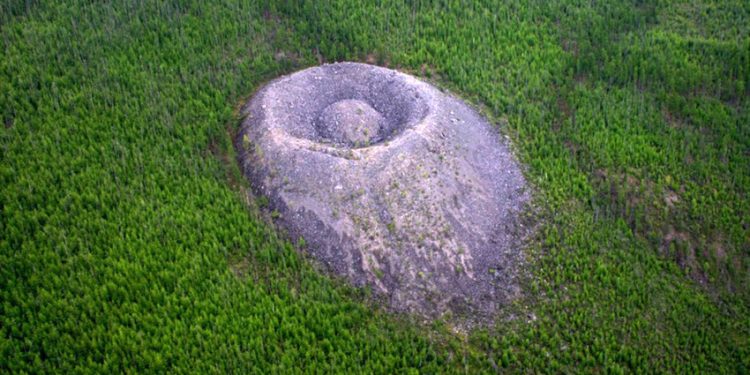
(126, 241)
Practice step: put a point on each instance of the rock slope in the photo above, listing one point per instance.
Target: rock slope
(392, 183)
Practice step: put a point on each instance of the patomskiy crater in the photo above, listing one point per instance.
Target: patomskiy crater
(392, 183)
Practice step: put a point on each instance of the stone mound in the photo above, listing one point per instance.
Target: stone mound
(351, 122)
(392, 183)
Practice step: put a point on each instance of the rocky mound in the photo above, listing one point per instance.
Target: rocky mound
(392, 183)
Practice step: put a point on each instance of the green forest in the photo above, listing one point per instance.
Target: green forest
(128, 242)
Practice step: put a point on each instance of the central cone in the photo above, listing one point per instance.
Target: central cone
(350, 121)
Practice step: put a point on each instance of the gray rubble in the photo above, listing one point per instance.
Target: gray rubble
(392, 183)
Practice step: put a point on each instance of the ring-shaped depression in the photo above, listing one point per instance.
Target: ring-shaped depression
(347, 105)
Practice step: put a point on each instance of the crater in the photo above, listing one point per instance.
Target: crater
(394, 184)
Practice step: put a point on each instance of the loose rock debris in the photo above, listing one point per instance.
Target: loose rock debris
(392, 183)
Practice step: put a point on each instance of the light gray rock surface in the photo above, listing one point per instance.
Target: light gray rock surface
(392, 183)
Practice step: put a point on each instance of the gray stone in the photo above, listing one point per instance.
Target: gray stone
(392, 183)
(350, 122)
